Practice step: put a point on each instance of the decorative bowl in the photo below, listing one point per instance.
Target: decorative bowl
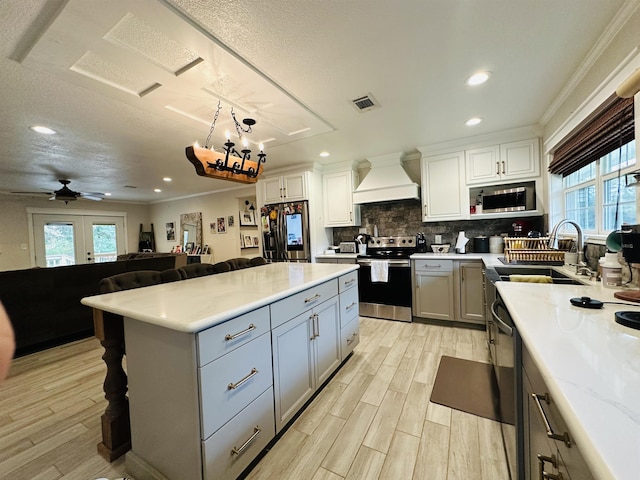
(440, 248)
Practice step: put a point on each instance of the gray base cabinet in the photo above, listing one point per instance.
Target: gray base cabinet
(446, 289)
(546, 456)
(204, 405)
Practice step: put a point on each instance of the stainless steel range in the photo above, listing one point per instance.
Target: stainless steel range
(384, 278)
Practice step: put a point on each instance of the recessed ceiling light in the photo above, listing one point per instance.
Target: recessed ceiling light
(107, 194)
(477, 78)
(167, 179)
(157, 190)
(473, 121)
(41, 129)
(324, 154)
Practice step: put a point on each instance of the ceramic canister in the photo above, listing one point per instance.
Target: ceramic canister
(496, 244)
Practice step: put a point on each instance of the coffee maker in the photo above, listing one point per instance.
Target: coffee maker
(630, 244)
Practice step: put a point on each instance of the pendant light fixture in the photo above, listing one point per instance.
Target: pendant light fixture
(229, 164)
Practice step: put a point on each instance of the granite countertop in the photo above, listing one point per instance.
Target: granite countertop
(195, 304)
(591, 366)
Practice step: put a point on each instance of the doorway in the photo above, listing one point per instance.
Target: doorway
(62, 239)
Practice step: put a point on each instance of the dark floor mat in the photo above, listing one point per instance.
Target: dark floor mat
(470, 387)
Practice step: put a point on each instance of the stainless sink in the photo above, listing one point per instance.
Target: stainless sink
(556, 277)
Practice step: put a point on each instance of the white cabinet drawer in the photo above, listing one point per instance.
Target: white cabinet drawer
(219, 461)
(349, 338)
(348, 281)
(435, 265)
(226, 337)
(348, 306)
(294, 305)
(219, 400)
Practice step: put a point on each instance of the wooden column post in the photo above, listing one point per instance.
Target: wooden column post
(116, 429)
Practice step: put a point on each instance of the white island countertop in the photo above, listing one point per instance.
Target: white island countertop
(591, 366)
(195, 304)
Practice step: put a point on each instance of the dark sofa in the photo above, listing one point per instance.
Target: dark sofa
(44, 303)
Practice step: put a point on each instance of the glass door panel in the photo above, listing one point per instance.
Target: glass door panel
(77, 239)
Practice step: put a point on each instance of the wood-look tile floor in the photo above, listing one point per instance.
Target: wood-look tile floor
(373, 420)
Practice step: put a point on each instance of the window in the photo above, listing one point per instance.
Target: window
(593, 193)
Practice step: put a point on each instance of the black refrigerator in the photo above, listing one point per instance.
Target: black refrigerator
(285, 232)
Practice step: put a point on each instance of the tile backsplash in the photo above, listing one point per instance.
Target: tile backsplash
(404, 217)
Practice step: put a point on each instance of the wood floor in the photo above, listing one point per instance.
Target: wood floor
(372, 421)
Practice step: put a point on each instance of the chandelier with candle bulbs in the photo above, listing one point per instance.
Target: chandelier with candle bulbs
(229, 164)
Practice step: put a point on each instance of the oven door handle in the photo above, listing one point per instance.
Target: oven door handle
(504, 328)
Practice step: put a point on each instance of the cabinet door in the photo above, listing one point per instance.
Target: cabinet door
(434, 295)
(520, 159)
(444, 197)
(294, 186)
(293, 367)
(327, 340)
(339, 210)
(482, 165)
(471, 293)
(272, 190)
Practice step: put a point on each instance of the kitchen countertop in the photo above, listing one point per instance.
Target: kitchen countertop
(591, 366)
(490, 259)
(195, 304)
(337, 255)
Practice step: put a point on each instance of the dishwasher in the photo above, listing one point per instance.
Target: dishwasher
(505, 346)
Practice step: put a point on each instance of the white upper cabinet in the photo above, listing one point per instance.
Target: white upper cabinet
(507, 161)
(444, 196)
(285, 188)
(339, 209)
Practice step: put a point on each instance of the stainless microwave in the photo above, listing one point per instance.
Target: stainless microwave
(516, 199)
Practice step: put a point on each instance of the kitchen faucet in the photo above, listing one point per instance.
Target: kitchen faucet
(581, 266)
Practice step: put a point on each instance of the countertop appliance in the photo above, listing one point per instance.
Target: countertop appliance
(285, 232)
(390, 299)
(348, 247)
(505, 351)
(421, 242)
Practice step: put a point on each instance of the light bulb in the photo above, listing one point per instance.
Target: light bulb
(227, 135)
(245, 144)
(196, 144)
(261, 147)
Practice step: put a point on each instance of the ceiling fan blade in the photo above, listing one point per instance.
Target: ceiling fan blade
(33, 193)
(91, 196)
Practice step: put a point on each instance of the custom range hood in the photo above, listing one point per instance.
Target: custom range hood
(386, 181)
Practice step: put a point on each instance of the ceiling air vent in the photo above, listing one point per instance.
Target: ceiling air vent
(366, 103)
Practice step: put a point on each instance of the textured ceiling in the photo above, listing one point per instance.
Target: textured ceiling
(127, 85)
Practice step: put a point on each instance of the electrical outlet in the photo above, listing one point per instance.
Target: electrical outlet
(362, 230)
(438, 239)
(23, 246)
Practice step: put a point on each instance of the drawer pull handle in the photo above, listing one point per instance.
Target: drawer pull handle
(352, 339)
(312, 299)
(432, 266)
(228, 336)
(233, 386)
(238, 451)
(349, 307)
(542, 475)
(349, 282)
(550, 433)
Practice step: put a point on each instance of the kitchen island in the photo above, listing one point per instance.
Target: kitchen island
(212, 361)
(591, 367)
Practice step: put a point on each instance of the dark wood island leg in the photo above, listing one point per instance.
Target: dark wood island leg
(116, 429)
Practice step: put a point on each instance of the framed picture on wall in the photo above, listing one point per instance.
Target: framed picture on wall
(230, 221)
(255, 241)
(212, 227)
(248, 218)
(222, 227)
(247, 241)
(171, 231)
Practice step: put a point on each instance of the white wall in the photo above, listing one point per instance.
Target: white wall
(14, 225)
(213, 205)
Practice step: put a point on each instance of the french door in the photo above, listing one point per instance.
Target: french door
(61, 239)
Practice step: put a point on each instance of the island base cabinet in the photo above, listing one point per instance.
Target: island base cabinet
(232, 448)
(306, 351)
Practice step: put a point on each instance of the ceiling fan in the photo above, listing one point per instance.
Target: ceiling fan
(66, 195)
